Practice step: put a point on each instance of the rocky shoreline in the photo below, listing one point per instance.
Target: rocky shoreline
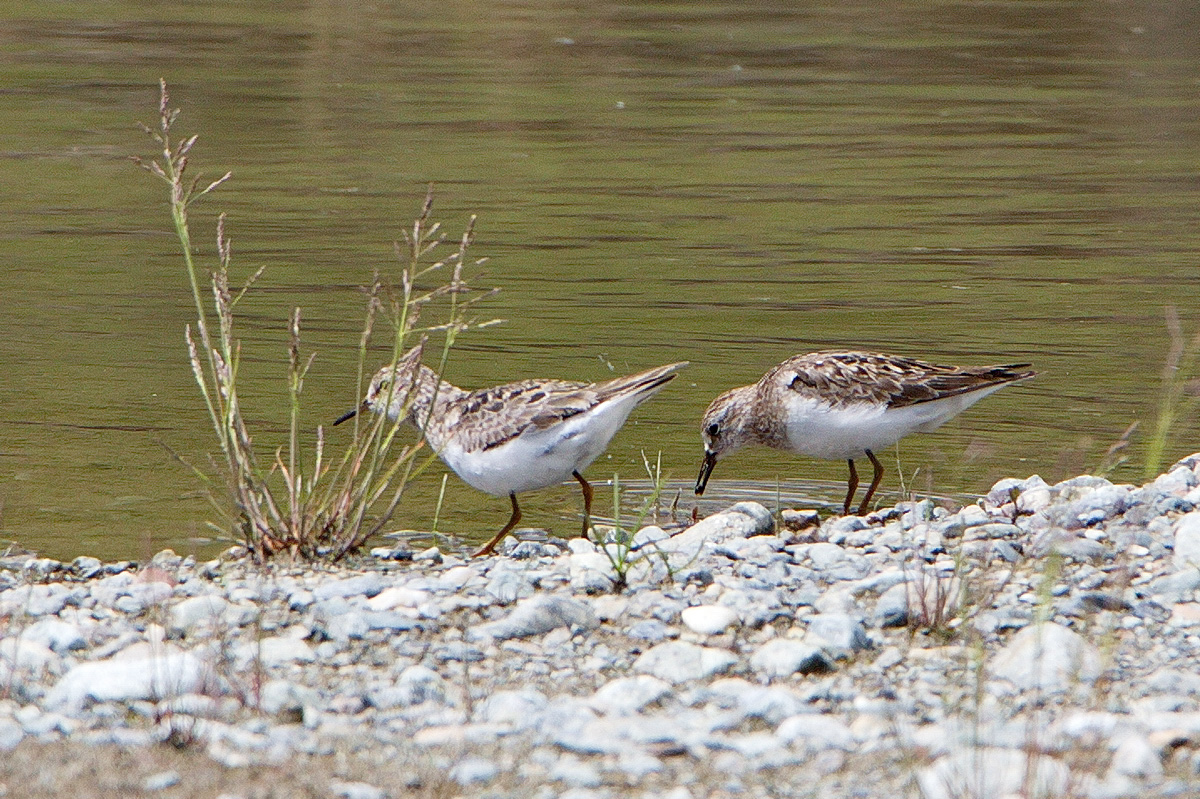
(1042, 642)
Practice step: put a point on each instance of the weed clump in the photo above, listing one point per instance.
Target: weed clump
(297, 500)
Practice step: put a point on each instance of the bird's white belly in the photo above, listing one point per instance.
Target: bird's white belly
(825, 431)
(537, 458)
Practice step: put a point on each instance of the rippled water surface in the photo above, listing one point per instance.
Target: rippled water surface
(724, 183)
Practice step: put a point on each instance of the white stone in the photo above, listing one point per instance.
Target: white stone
(783, 657)
(124, 680)
(58, 635)
(840, 633)
(628, 695)
(274, 651)
(591, 572)
(25, 654)
(680, 661)
(356, 790)
(575, 773)
(709, 619)
(398, 596)
(1047, 657)
(1135, 757)
(539, 614)
(471, 770)
(816, 731)
(519, 709)
(196, 610)
(11, 734)
(743, 520)
(364, 585)
(992, 773)
(1187, 542)
(771, 703)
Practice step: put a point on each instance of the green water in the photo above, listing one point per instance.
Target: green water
(724, 183)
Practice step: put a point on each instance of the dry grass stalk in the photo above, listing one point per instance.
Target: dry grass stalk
(299, 504)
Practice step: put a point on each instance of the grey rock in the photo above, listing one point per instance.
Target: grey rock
(365, 585)
(1134, 756)
(783, 657)
(459, 651)
(1187, 543)
(1173, 588)
(843, 634)
(161, 781)
(629, 695)
(390, 621)
(649, 630)
(11, 734)
(575, 773)
(273, 651)
(743, 520)
(892, 608)
(193, 611)
(287, 699)
(27, 655)
(771, 704)
(339, 621)
(58, 636)
(816, 731)
(416, 684)
(509, 585)
(709, 619)
(755, 607)
(591, 572)
(679, 661)
(992, 773)
(537, 615)
(34, 600)
(356, 790)
(1047, 657)
(127, 680)
(86, 567)
(528, 550)
(473, 770)
(521, 709)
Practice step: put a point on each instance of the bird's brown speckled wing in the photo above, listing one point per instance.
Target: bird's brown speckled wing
(843, 378)
(487, 418)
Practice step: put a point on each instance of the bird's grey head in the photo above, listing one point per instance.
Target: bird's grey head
(723, 430)
(390, 387)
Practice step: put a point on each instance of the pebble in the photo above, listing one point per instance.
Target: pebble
(783, 657)
(356, 790)
(680, 661)
(161, 781)
(799, 653)
(709, 619)
(472, 770)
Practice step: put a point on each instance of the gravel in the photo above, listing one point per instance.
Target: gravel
(1046, 638)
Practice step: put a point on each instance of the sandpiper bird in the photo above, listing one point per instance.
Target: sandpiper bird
(516, 437)
(837, 405)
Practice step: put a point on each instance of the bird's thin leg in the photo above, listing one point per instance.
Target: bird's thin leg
(487, 548)
(874, 482)
(852, 487)
(587, 501)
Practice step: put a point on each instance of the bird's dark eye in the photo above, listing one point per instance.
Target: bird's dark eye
(714, 428)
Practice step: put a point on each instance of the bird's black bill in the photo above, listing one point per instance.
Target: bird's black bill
(345, 417)
(710, 460)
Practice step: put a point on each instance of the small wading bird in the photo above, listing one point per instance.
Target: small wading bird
(836, 405)
(516, 437)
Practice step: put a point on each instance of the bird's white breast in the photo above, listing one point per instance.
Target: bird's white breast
(821, 430)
